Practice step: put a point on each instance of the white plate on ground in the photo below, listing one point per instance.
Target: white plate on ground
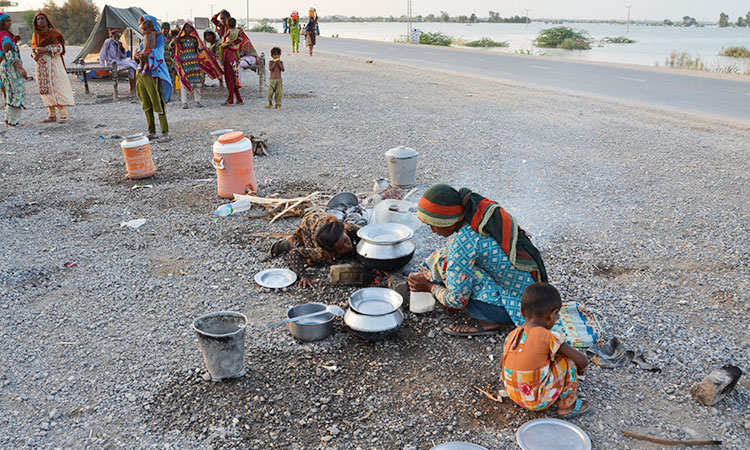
(552, 434)
(275, 278)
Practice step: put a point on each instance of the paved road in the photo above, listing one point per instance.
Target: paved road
(702, 96)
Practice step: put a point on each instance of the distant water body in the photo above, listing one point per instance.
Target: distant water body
(654, 43)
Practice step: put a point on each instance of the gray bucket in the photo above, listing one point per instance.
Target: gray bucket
(221, 336)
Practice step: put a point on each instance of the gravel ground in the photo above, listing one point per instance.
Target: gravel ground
(642, 216)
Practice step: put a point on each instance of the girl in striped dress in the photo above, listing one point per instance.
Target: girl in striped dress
(192, 59)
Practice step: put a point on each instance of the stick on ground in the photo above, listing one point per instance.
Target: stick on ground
(662, 441)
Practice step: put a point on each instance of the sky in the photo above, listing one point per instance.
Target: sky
(569, 9)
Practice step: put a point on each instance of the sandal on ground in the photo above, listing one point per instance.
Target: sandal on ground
(63, 120)
(164, 140)
(198, 105)
(227, 104)
(269, 106)
(152, 137)
(278, 107)
(473, 323)
(241, 103)
(185, 106)
(50, 119)
(578, 409)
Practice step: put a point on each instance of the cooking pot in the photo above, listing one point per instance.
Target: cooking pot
(313, 328)
(374, 313)
(385, 246)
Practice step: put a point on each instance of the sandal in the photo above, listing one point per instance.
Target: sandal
(152, 137)
(164, 140)
(474, 323)
(577, 411)
(63, 120)
(227, 104)
(50, 119)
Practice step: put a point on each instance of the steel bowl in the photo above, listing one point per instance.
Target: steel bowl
(313, 328)
(343, 199)
(374, 328)
(375, 301)
(385, 246)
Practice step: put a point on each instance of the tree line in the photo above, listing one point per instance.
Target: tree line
(74, 19)
(741, 21)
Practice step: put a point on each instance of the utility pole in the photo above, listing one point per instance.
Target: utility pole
(527, 17)
(191, 15)
(408, 20)
(212, 9)
(627, 30)
(247, 14)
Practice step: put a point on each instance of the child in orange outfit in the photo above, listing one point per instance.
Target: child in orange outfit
(539, 367)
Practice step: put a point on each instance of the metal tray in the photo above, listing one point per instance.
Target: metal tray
(385, 233)
(275, 278)
(552, 434)
(458, 446)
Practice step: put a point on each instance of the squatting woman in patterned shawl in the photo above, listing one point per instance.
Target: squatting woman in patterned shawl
(48, 49)
(192, 59)
(12, 73)
(152, 83)
(487, 264)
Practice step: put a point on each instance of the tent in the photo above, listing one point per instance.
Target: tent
(123, 18)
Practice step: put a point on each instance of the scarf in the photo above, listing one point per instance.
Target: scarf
(443, 206)
(206, 59)
(44, 38)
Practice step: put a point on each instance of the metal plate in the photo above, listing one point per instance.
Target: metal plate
(375, 301)
(552, 434)
(385, 233)
(275, 278)
(458, 446)
(134, 137)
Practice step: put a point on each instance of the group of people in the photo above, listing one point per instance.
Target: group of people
(311, 30)
(490, 270)
(47, 49)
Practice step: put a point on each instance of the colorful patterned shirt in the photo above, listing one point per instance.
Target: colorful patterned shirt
(477, 268)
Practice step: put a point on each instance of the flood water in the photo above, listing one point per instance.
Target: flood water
(654, 43)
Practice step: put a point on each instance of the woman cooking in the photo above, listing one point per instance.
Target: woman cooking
(320, 238)
(487, 264)
(48, 49)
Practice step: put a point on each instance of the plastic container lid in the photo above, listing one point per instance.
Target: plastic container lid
(231, 137)
(401, 152)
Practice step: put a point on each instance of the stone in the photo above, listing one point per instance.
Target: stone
(44, 426)
(716, 385)
(399, 284)
(53, 414)
(350, 274)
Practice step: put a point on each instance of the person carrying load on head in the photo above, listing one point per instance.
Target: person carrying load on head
(294, 31)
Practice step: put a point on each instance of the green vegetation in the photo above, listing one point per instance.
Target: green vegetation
(563, 37)
(735, 52)
(684, 61)
(436, 38)
(74, 19)
(486, 42)
(688, 21)
(618, 40)
(495, 18)
(263, 28)
(723, 20)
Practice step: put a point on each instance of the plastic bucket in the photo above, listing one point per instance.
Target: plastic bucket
(137, 152)
(221, 336)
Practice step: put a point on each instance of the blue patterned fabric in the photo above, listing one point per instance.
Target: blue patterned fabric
(157, 68)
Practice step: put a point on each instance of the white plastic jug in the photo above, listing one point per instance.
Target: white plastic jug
(421, 302)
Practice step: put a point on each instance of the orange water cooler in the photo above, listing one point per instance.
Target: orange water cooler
(137, 152)
(233, 161)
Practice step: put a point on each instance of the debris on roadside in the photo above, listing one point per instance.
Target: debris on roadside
(716, 385)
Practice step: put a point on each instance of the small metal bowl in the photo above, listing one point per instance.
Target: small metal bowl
(314, 328)
(342, 199)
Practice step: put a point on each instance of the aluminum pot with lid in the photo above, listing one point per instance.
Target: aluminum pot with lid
(374, 313)
(385, 246)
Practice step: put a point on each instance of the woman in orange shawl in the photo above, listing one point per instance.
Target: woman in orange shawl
(48, 48)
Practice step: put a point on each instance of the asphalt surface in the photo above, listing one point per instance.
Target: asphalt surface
(707, 97)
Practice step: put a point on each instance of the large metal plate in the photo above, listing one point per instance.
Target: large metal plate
(275, 278)
(458, 446)
(375, 301)
(385, 233)
(552, 434)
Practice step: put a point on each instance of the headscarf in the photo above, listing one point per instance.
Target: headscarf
(157, 68)
(6, 36)
(206, 59)
(443, 206)
(112, 32)
(51, 36)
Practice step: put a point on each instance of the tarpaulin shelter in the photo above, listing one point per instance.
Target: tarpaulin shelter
(125, 19)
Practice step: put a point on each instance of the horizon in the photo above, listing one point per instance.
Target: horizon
(538, 9)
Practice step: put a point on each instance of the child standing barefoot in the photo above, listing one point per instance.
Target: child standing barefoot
(539, 368)
(275, 86)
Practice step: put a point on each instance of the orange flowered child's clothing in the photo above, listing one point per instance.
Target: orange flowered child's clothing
(535, 375)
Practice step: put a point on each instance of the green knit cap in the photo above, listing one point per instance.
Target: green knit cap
(440, 206)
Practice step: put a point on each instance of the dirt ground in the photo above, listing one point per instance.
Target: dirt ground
(642, 216)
